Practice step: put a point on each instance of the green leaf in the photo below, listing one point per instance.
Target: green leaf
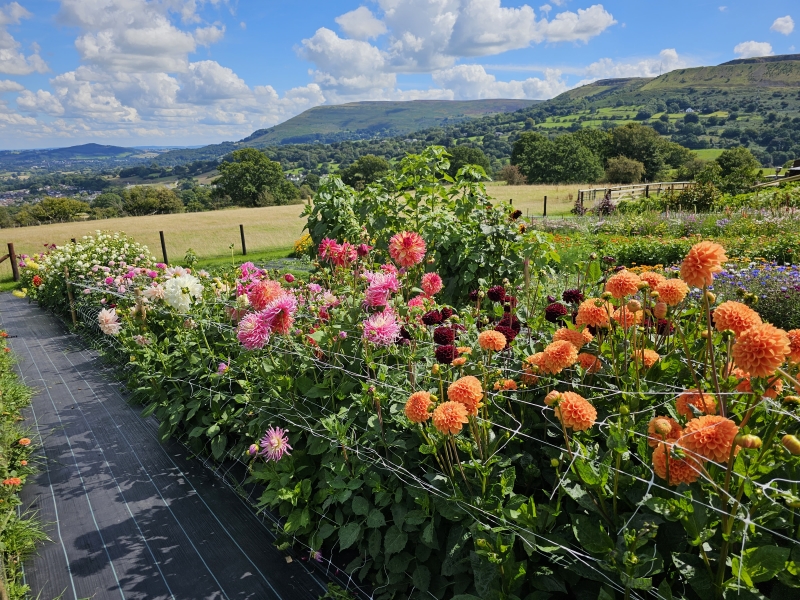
(375, 519)
(213, 430)
(399, 563)
(374, 543)
(197, 432)
(589, 532)
(360, 505)
(421, 578)
(395, 540)
(348, 535)
(218, 446)
(764, 562)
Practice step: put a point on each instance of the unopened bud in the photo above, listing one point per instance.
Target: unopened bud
(748, 441)
(655, 295)
(624, 410)
(662, 427)
(710, 297)
(793, 401)
(435, 369)
(660, 310)
(634, 306)
(253, 449)
(606, 295)
(554, 462)
(728, 334)
(792, 444)
(593, 256)
(704, 334)
(643, 285)
(481, 294)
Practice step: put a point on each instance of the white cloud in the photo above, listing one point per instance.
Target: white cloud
(470, 82)
(361, 24)
(12, 61)
(6, 85)
(205, 36)
(41, 101)
(723, 8)
(784, 25)
(580, 26)
(752, 49)
(208, 81)
(667, 60)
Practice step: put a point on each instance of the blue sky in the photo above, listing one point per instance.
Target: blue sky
(182, 72)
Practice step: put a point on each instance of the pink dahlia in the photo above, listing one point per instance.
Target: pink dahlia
(407, 248)
(344, 254)
(261, 293)
(275, 444)
(327, 248)
(382, 329)
(380, 286)
(280, 313)
(417, 302)
(109, 321)
(253, 330)
(431, 284)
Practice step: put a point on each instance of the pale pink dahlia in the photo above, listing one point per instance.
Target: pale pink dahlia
(253, 330)
(382, 328)
(109, 321)
(275, 444)
(280, 313)
(407, 248)
(431, 284)
(380, 286)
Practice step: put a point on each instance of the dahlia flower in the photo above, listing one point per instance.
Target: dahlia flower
(710, 437)
(253, 330)
(647, 357)
(794, 345)
(432, 317)
(491, 340)
(450, 417)
(531, 367)
(507, 332)
(109, 321)
(407, 248)
(626, 318)
(263, 292)
(652, 279)
(624, 283)
(735, 316)
(382, 329)
(445, 354)
(467, 391)
(744, 386)
(704, 402)
(654, 437)
(589, 362)
(672, 291)
(660, 310)
(154, 292)
(380, 286)
(496, 293)
(573, 336)
(431, 284)
(681, 470)
(180, 290)
(558, 356)
(701, 263)
(275, 444)
(555, 312)
(575, 412)
(280, 313)
(589, 313)
(417, 407)
(572, 296)
(417, 302)
(761, 350)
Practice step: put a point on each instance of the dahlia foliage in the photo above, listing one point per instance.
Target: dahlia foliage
(638, 437)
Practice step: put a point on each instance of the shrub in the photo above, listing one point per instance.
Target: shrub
(624, 170)
(512, 175)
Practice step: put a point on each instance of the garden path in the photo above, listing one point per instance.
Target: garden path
(129, 517)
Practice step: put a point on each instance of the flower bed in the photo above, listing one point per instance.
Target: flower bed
(618, 440)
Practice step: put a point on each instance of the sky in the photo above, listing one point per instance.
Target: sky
(192, 72)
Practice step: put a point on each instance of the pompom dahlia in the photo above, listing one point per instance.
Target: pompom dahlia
(555, 312)
(626, 318)
(701, 263)
(275, 444)
(450, 417)
(491, 340)
(431, 284)
(681, 470)
(735, 316)
(575, 412)
(652, 279)
(589, 362)
(531, 368)
(432, 317)
(624, 283)
(704, 402)
(672, 291)
(572, 296)
(794, 345)
(418, 407)
(573, 336)
(407, 248)
(507, 332)
(710, 436)
(382, 329)
(593, 312)
(558, 356)
(496, 293)
(444, 336)
(654, 436)
(445, 354)
(761, 350)
(467, 391)
(647, 357)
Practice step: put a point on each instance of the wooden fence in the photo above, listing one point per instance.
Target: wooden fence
(590, 197)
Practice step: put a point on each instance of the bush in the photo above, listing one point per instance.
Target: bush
(624, 170)
(512, 175)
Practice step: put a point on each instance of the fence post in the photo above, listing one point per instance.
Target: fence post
(13, 257)
(74, 241)
(647, 191)
(544, 210)
(163, 247)
(70, 297)
(244, 247)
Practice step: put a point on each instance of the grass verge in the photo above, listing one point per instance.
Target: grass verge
(20, 530)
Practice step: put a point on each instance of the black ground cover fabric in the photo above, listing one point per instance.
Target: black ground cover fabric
(129, 517)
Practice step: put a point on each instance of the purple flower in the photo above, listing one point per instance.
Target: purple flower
(275, 444)
(222, 368)
(253, 449)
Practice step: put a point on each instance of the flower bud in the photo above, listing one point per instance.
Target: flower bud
(792, 444)
(643, 285)
(791, 401)
(660, 310)
(704, 334)
(289, 278)
(728, 334)
(435, 369)
(624, 410)
(593, 256)
(662, 427)
(434, 398)
(749, 441)
(554, 462)
(655, 295)
(481, 294)
(710, 297)
(634, 306)
(606, 295)
(253, 449)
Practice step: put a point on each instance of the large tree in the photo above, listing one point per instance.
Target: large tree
(249, 178)
(641, 143)
(367, 169)
(147, 200)
(466, 155)
(563, 160)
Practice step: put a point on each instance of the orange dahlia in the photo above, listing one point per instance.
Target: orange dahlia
(263, 292)
(558, 356)
(735, 316)
(449, 417)
(491, 340)
(761, 350)
(505, 384)
(575, 412)
(24, 441)
(710, 436)
(623, 284)
(794, 345)
(589, 362)
(592, 312)
(417, 407)
(672, 291)
(552, 397)
(704, 402)
(407, 248)
(647, 357)
(652, 279)
(681, 470)
(531, 366)
(464, 350)
(702, 261)
(660, 310)
(573, 336)
(467, 391)
(460, 361)
(744, 387)
(653, 436)
(626, 318)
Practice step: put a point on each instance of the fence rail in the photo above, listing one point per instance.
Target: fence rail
(630, 192)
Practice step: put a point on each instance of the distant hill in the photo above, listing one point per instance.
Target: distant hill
(21, 159)
(363, 120)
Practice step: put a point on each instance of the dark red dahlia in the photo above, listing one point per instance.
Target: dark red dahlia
(405, 336)
(507, 332)
(432, 317)
(444, 336)
(511, 301)
(457, 328)
(516, 215)
(496, 293)
(473, 295)
(572, 296)
(555, 312)
(511, 321)
(447, 312)
(446, 354)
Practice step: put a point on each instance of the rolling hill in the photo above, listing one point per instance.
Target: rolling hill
(364, 120)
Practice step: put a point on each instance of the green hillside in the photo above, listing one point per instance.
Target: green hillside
(362, 120)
